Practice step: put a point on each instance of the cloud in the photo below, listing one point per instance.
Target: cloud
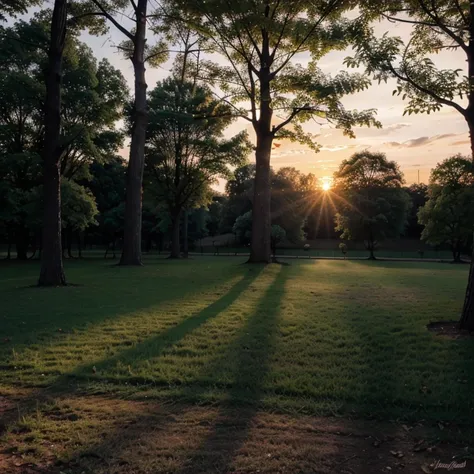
(419, 142)
(365, 132)
(460, 142)
(333, 148)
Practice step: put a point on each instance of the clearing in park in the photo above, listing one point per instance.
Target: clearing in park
(208, 365)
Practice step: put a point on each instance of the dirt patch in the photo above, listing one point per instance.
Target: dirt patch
(125, 437)
(449, 329)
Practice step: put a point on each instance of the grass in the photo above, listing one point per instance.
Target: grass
(344, 338)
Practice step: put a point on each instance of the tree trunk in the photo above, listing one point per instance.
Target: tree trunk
(185, 234)
(260, 250)
(22, 237)
(52, 273)
(175, 253)
(467, 316)
(372, 255)
(131, 252)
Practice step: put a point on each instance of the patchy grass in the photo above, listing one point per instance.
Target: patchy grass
(344, 338)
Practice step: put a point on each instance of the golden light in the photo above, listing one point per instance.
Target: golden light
(326, 183)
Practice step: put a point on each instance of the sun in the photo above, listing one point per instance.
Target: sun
(326, 183)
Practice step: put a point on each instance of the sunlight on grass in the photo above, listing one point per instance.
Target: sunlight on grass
(317, 336)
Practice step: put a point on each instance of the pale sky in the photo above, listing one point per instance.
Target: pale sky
(416, 142)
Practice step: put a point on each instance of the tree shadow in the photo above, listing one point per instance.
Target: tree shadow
(38, 319)
(68, 386)
(154, 346)
(254, 348)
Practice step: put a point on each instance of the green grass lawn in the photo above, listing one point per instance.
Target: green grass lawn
(320, 337)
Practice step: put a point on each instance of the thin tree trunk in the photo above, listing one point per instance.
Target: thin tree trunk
(260, 250)
(131, 252)
(79, 243)
(175, 253)
(52, 272)
(9, 249)
(185, 234)
(21, 243)
(69, 243)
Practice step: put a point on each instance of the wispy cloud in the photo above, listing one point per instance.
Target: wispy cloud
(419, 142)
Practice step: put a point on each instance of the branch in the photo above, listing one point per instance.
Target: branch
(303, 41)
(428, 92)
(443, 27)
(293, 114)
(113, 20)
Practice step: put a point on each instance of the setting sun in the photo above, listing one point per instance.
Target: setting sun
(326, 183)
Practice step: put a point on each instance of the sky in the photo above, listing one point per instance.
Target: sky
(416, 142)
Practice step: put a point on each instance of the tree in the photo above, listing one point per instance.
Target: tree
(438, 25)
(242, 228)
(92, 101)
(52, 272)
(373, 205)
(278, 235)
(448, 215)
(108, 187)
(186, 150)
(78, 210)
(15, 7)
(239, 189)
(135, 48)
(290, 201)
(260, 42)
(418, 195)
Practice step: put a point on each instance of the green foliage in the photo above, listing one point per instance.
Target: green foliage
(78, 206)
(15, 7)
(290, 201)
(186, 148)
(436, 26)
(373, 204)
(277, 235)
(343, 248)
(448, 215)
(259, 43)
(243, 227)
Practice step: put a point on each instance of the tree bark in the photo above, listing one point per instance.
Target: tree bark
(467, 316)
(185, 234)
(52, 272)
(175, 244)
(260, 251)
(132, 238)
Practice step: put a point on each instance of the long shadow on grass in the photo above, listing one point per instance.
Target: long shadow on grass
(154, 346)
(252, 349)
(37, 321)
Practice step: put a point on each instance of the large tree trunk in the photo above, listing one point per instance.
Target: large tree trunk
(467, 316)
(52, 273)
(132, 237)
(260, 250)
(185, 234)
(175, 244)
